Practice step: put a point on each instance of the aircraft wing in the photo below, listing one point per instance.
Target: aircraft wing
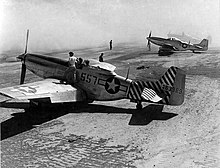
(199, 47)
(168, 47)
(103, 65)
(48, 88)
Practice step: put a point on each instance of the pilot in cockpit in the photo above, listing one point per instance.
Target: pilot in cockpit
(86, 62)
(79, 63)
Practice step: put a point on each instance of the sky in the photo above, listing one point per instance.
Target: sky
(71, 24)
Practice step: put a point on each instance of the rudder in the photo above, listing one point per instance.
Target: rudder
(204, 44)
(173, 86)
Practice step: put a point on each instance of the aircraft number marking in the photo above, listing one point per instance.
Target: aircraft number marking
(88, 78)
(172, 89)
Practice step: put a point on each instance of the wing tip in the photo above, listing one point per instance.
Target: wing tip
(4, 98)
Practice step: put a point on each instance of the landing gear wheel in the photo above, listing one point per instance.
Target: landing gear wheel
(34, 105)
(139, 106)
(38, 106)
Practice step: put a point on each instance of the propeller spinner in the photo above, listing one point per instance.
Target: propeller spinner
(22, 58)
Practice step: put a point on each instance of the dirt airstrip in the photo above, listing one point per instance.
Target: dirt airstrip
(113, 134)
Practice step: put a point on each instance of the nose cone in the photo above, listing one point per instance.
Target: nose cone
(149, 38)
(21, 57)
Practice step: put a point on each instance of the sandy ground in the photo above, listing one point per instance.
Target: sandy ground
(114, 134)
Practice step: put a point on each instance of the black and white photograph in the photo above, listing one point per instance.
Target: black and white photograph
(110, 83)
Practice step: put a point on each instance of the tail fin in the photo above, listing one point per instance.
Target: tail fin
(204, 44)
(168, 90)
(173, 86)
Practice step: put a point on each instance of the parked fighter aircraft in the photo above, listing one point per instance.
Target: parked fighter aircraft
(174, 44)
(96, 81)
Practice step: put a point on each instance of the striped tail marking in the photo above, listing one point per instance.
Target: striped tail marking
(150, 94)
(159, 86)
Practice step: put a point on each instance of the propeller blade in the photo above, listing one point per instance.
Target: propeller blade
(22, 58)
(25, 51)
(149, 34)
(148, 41)
(149, 45)
(23, 73)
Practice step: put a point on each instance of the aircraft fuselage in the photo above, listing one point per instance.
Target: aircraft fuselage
(176, 44)
(45, 66)
(99, 84)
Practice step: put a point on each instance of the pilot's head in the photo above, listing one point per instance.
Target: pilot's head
(80, 60)
(71, 54)
(86, 62)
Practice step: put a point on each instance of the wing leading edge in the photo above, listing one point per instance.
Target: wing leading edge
(168, 47)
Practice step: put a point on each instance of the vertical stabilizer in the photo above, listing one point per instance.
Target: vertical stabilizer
(204, 44)
(173, 86)
(168, 90)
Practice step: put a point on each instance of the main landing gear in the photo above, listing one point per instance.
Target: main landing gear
(139, 106)
(39, 104)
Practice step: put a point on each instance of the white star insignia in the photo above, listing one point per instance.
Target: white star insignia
(112, 85)
(27, 90)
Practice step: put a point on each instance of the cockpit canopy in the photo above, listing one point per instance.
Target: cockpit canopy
(174, 39)
(103, 65)
(103, 68)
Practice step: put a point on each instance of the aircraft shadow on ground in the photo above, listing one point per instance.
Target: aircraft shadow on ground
(24, 121)
(139, 117)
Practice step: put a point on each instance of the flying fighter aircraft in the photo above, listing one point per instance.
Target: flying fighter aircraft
(174, 44)
(96, 81)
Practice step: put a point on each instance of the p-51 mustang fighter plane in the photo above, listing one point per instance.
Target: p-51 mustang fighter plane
(174, 44)
(96, 81)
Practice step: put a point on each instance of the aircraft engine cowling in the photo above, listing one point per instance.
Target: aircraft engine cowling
(70, 75)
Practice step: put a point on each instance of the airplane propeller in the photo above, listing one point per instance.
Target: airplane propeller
(148, 41)
(23, 73)
(22, 58)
